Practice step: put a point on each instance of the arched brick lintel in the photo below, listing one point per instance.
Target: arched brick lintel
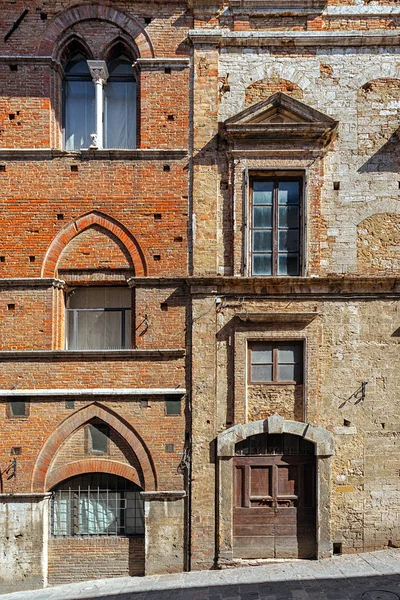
(85, 12)
(94, 465)
(83, 222)
(77, 420)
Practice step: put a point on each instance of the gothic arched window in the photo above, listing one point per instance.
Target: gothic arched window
(79, 103)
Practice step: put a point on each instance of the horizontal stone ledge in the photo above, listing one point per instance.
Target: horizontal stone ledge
(299, 8)
(44, 282)
(29, 59)
(27, 496)
(93, 392)
(163, 495)
(54, 153)
(294, 38)
(163, 353)
(271, 317)
(155, 64)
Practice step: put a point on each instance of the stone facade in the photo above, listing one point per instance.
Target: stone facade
(228, 94)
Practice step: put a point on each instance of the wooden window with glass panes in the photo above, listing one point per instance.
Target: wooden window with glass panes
(276, 225)
(271, 362)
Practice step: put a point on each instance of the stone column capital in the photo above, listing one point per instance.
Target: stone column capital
(98, 70)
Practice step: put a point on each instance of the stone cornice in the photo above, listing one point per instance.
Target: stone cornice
(28, 393)
(156, 64)
(93, 355)
(30, 282)
(285, 39)
(54, 153)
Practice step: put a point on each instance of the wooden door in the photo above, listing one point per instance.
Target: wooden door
(274, 507)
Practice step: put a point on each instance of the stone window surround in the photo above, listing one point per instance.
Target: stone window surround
(324, 450)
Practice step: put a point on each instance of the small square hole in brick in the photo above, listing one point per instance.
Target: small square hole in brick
(169, 448)
(337, 548)
(336, 185)
(43, 16)
(11, 306)
(2, 259)
(157, 216)
(2, 168)
(167, 70)
(32, 259)
(178, 238)
(157, 257)
(166, 168)
(171, 117)
(147, 20)
(16, 451)
(60, 217)
(144, 403)
(70, 404)
(164, 306)
(13, 68)
(11, 116)
(74, 168)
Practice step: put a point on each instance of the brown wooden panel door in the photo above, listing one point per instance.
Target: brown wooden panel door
(274, 507)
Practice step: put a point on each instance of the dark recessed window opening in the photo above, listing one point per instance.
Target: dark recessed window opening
(337, 548)
(98, 318)
(18, 408)
(97, 504)
(13, 68)
(173, 405)
(272, 362)
(336, 185)
(275, 226)
(98, 438)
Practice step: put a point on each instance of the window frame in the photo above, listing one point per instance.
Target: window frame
(26, 402)
(275, 362)
(89, 438)
(276, 176)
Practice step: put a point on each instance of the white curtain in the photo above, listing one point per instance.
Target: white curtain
(120, 114)
(98, 513)
(61, 515)
(79, 114)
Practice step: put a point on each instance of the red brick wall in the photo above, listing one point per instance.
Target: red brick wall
(81, 559)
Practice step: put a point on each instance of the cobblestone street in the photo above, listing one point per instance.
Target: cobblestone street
(369, 576)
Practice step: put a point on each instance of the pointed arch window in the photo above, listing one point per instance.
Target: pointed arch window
(99, 103)
(79, 103)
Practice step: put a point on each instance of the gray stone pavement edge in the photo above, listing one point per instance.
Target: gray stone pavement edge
(368, 576)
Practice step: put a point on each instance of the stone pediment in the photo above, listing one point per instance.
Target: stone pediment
(281, 118)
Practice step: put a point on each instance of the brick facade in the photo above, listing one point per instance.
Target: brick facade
(228, 94)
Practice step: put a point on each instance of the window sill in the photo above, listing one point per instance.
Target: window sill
(53, 153)
(161, 354)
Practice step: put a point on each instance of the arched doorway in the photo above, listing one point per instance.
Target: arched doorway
(283, 466)
(274, 511)
(96, 525)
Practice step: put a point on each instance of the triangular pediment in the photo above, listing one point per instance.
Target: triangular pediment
(281, 116)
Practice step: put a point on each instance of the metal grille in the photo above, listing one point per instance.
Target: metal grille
(83, 506)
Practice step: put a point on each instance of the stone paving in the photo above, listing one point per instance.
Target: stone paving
(369, 576)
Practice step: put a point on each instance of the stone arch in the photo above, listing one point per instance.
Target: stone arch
(264, 88)
(321, 438)
(72, 229)
(75, 421)
(97, 465)
(121, 43)
(70, 44)
(84, 12)
(372, 73)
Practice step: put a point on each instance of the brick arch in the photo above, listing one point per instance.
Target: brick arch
(85, 12)
(82, 223)
(94, 465)
(67, 427)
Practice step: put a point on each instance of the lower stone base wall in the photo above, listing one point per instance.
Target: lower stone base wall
(80, 559)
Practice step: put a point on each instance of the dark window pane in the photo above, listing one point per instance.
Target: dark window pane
(98, 438)
(261, 373)
(288, 264)
(262, 216)
(262, 241)
(288, 240)
(18, 408)
(263, 192)
(262, 264)
(288, 216)
(173, 406)
(288, 192)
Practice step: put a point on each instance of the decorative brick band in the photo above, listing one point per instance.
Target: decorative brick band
(82, 223)
(94, 465)
(67, 427)
(86, 12)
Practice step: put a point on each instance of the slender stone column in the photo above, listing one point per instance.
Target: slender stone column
(99, 73)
